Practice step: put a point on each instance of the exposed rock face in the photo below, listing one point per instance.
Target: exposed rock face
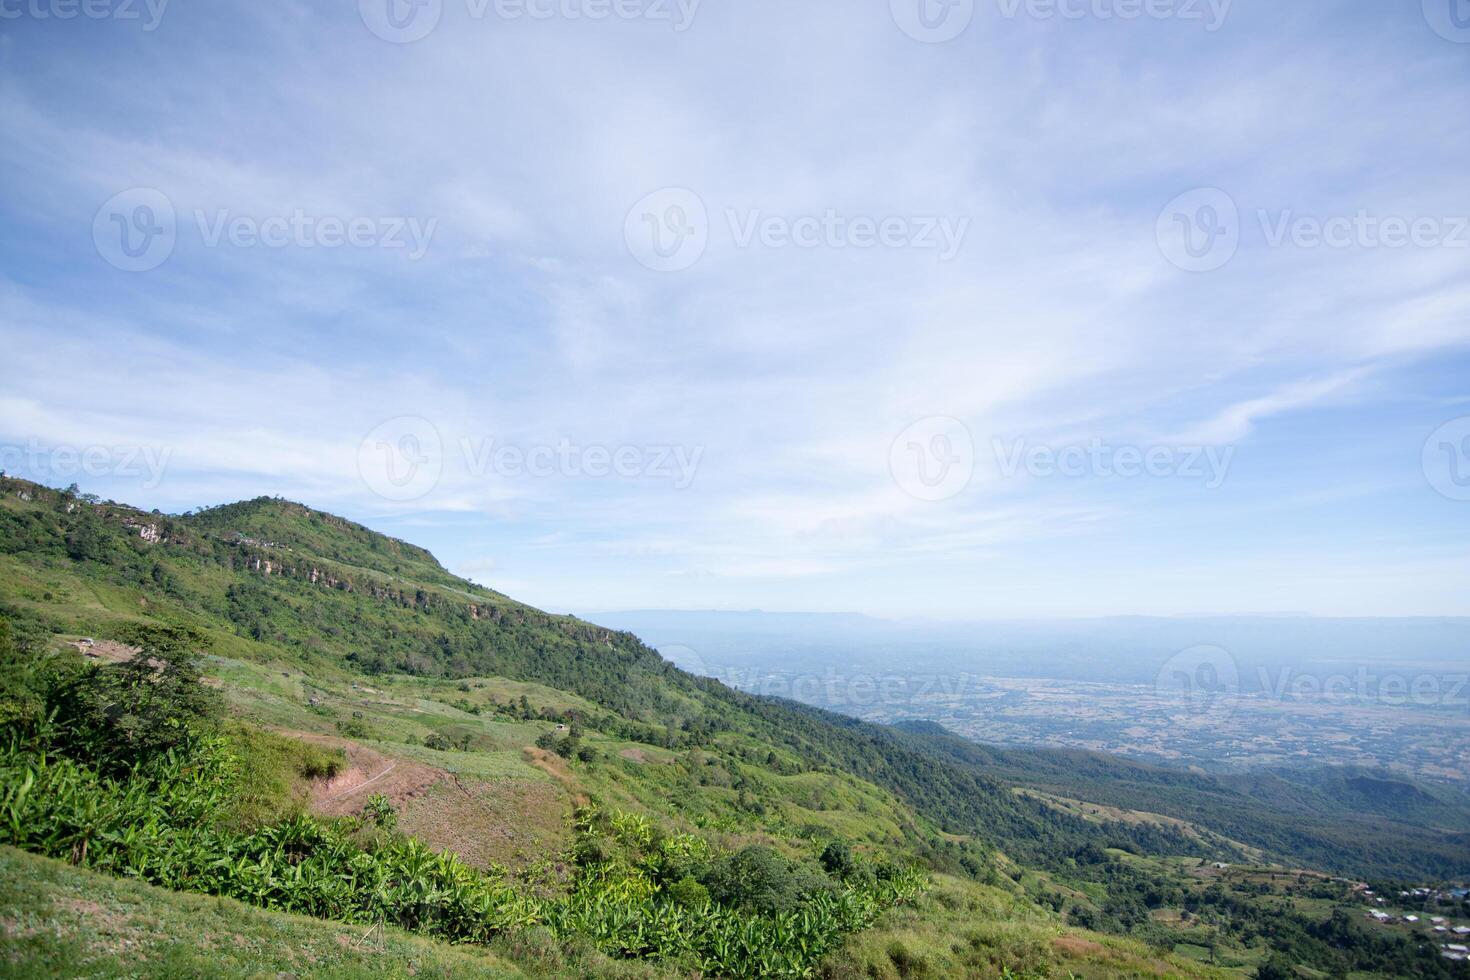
(150, 533)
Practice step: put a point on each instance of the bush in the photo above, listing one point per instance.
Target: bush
(688, 893)
(354, 729)
(761, 880)
(319, 763)
(837, 859)
(124, 714)
(379, 809)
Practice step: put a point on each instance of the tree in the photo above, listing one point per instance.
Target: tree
(759, 879)
(127, 712)
(30, 675)
(837, 859)
(1278, 967)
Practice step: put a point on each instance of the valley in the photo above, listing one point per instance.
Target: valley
(595, 810)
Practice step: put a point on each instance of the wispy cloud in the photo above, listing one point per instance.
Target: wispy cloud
(788, 370)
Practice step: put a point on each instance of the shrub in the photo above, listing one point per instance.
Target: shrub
(761, 880)
(688, 893)
(837, 859)
(379, 809)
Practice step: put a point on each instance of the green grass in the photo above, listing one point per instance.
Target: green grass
(964, 930)
(275, 774)
(60, 921)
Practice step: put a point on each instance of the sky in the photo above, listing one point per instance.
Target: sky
(933, 308)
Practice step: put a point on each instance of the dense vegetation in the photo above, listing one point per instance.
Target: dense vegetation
(368, 612)
(118, 773)
(1348, 821)
(751, 836)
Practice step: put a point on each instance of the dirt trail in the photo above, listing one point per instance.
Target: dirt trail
(347, 792)
(367, 772)
(511, 821)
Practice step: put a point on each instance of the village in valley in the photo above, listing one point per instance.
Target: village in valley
(1440, 914)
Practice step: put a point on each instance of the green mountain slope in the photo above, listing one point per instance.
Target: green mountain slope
(271, 580)
(1348, 821)
(560, 759)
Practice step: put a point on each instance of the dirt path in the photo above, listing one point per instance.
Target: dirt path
(400, 780)
(348, 792)
(510, 821)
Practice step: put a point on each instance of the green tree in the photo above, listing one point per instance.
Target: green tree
(155, 700)
(759, 879)
(837, 859)
(1278, 967)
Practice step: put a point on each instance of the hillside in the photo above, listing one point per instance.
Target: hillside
(1349, 821)
(568, 766)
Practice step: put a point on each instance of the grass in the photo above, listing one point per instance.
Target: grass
(60, 921)
(964, 930)
(275, 773)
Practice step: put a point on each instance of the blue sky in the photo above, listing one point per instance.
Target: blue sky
(803, 416)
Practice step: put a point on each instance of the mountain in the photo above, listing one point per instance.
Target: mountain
(1344, 820)
(627, 809)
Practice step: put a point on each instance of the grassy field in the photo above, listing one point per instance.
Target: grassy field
(965, 930)
(59, 921)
